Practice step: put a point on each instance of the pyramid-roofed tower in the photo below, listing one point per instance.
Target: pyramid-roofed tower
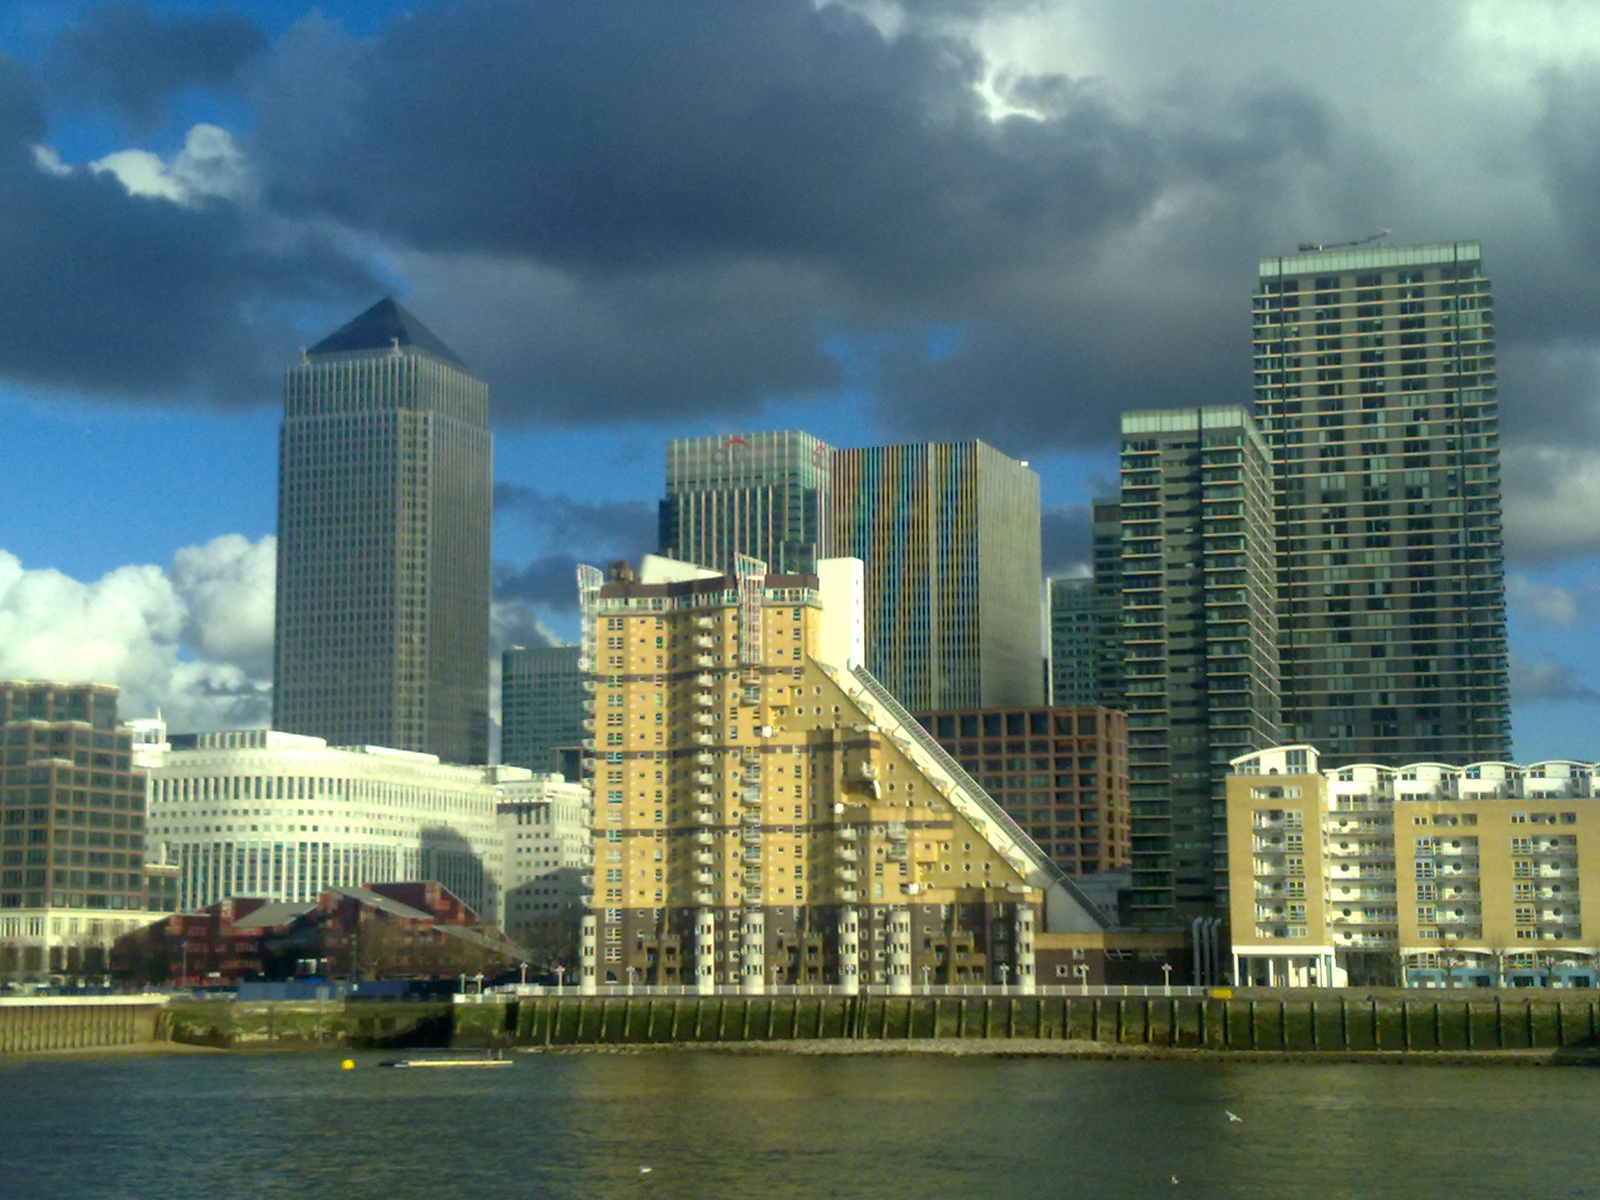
(385, 326)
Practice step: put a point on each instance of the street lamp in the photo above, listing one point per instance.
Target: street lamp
(524, 974)
(631, 971)
(1082, 972)
(925, 972)
(1166, 978)
(183, 979)
(1005, 970)
(561, 974)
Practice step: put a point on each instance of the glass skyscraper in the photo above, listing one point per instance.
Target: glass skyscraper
(541, 705)
(1375, 384)
(949, 534)
(760, 494)
(384, 498)
(1198, 640)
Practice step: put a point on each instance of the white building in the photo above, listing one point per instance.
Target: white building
(262, 813)
(545, 821)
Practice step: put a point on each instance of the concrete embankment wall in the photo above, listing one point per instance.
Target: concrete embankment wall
(1296, 1022)
(74, 1022)
(1330, 1022)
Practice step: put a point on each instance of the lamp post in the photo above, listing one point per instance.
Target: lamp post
(1082, 972)
(631, 971)
(524, 974)
(1005, 970)
(183, 979)
(1166, 978)
(561, 974)
(925, 973)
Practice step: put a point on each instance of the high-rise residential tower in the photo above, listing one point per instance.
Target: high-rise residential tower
(541, 705)
(950, 538)
(766, 813)
(1375, 383)
(1199, 640)
(382, 630)
(761, 494)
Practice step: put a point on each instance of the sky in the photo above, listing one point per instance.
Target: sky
(637, 220)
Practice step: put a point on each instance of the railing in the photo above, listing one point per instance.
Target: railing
(515, 990)
(1036, 857)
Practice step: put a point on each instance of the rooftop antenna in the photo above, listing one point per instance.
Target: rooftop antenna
(1314, 247)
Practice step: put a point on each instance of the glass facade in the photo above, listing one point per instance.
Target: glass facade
(382, 624)
(541, 705)
(1199, 643)
(950, 538)
(1375, 384)
(764, 495)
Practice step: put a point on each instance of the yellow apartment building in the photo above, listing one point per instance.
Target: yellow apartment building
(1424, 874)
(765, 813)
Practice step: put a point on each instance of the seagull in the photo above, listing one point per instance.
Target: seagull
(1232, 1116)
(644, 1170)
(1174, 1179)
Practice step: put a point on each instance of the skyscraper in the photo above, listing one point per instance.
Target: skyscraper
(761, 494)
(382, 630)
(950, 538)
(1375, 382)
(541, 705)
(1199, 640)
(1074, 641)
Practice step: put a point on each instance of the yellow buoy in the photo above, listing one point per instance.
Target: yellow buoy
(347, 1065)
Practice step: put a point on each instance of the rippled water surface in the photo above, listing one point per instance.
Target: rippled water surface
(724, 1128)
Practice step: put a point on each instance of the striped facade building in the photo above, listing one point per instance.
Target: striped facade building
(949, 535)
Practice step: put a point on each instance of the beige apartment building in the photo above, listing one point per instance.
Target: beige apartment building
(765, 813)
(1423, 874)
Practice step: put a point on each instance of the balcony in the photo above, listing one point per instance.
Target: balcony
(704, 757)
(705, 817)
(752, 878)
(705, 778)
(705, 739)
(705, 837)
(587, 685)
(701, 718)
(752, 775)
(705, 641)
(705, 876)
(752, 834)
(847, 854)
(705, 680)
(848, 874)
(588, 724)
(751, 754)
(705, 699)
(849, 833)
(705, 896)
(849, 894)
(704, 622)
(705, 660)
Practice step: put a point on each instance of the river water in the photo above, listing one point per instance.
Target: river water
(723, 1127)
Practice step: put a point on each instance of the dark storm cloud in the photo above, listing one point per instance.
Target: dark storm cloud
(1065, 544)
(109, 293)
(678, 203)
(625, 528)
(550, 581)
(124, 56)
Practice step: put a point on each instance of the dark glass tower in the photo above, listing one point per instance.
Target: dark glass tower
(1198, 641)
(384, 498)
(760, 494)
(1375, 383)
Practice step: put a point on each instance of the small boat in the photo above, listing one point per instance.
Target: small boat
(494, 1060)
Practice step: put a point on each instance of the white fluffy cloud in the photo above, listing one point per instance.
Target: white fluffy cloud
(210, 164)
(194, 639)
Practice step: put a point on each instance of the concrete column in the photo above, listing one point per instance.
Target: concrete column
(899, 951)
(849, 951)
(705, 952)
(1027, 984)
(753, 954)
(588, 957)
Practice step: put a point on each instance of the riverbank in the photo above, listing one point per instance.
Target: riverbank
(1051, 1048)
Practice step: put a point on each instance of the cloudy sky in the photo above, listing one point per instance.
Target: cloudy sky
(640, 219)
